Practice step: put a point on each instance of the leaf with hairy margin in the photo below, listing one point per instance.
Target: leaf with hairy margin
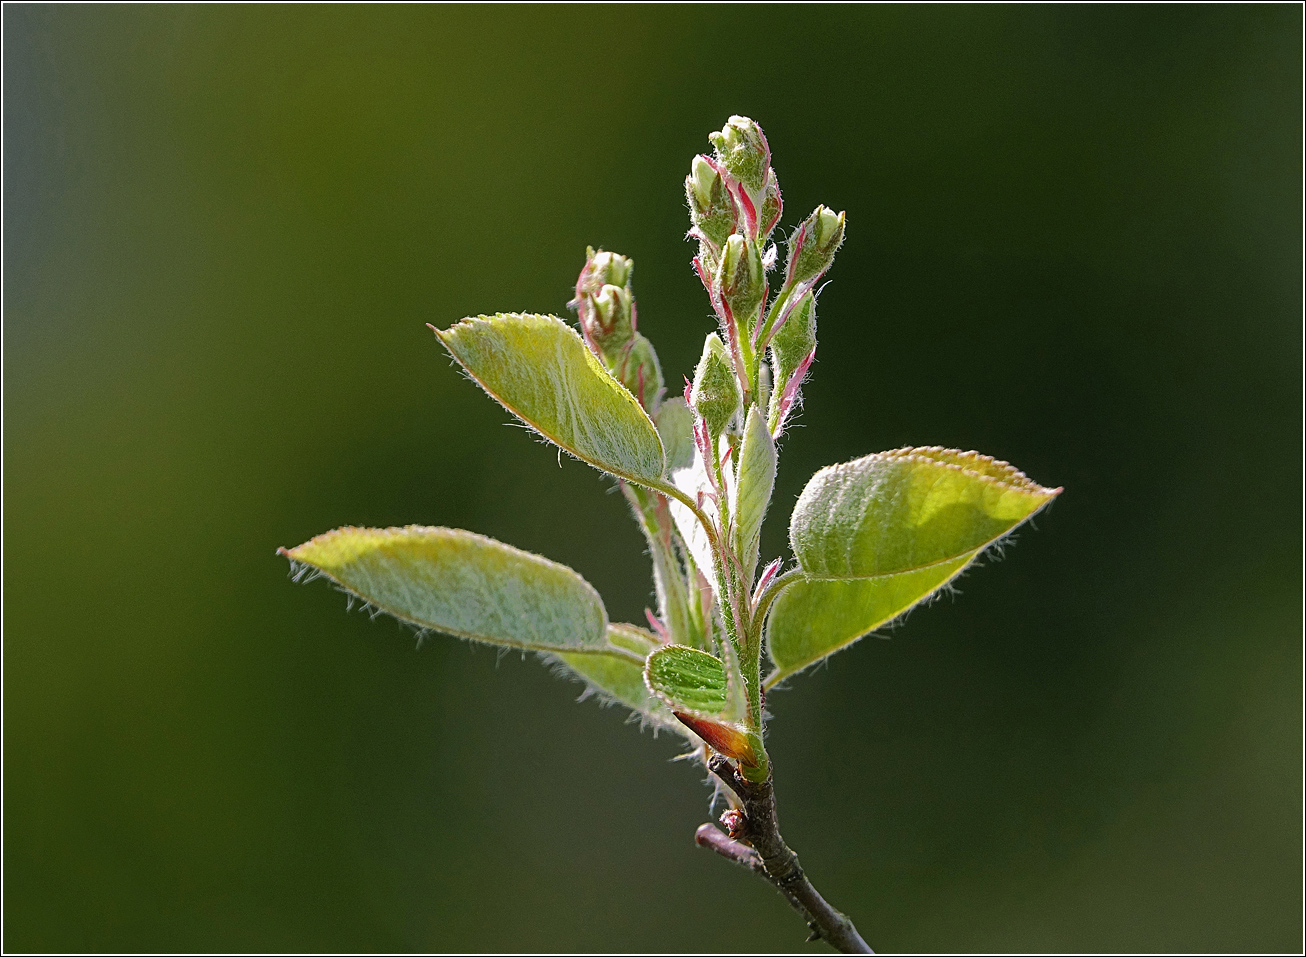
(618, 676)
(540, 370)
(462, 584)
(811, 620)
(688, 680)
(697, 689)
(755, 482)
(910, 508)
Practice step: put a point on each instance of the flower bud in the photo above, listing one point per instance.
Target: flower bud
(715, 393)
(604, 269)
(795, 339)
(612, 313)
(741, 279)
(742, 148)
(605, 304)
(812, 248)
(711, 209)
(638, 369)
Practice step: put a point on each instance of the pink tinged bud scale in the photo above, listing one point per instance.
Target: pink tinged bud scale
(812, 248)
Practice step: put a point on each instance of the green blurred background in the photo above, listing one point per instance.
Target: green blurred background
(1073, 242)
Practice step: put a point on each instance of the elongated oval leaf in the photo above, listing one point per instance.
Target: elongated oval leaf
(897, 511)
(462, 584)
(813, 619)
(619, 677)
(538, 368)
(756, 480)
(688, 680)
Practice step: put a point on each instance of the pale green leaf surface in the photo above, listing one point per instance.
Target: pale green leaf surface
(462, 584)
(813, 619)
(688, 680)
(910, 508)
(541, 371)
(756, 479)
(692, 480)
(675, 422)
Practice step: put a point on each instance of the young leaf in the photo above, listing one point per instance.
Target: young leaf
(540, 370)
(462, 584)
(813, 619)
(694, 685)
(755, 483)
(906, 509)
(619, 677)
(688, 680)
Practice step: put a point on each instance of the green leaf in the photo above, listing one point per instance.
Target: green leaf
(688, 680)
(694, 684)
(462, 584)
(692, 480)
(755, 483)
(538, 369)
(813, 619)
(675, 422)
(897, 511)
(619, 677)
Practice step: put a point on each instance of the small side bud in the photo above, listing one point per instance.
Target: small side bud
(735, 822)
(742, 148)
(812, 248)
(715, 392)
(741, 279)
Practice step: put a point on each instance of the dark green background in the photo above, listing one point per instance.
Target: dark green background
(1073, 243)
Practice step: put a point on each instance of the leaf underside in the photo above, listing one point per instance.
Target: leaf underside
(462, 584)
(540, 370)
(813, 619)
(907, 509)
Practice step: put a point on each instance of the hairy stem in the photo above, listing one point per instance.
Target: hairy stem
(760, 829)
(779, 584)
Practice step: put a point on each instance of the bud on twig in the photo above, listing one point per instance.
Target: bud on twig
(715, 392)
(812, 247)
